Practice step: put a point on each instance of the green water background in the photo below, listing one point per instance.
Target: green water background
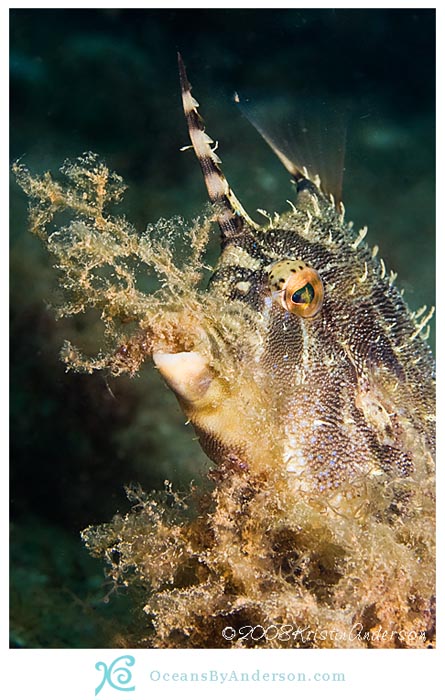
(106, 81)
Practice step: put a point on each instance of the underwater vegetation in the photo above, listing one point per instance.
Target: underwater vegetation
(310, 386)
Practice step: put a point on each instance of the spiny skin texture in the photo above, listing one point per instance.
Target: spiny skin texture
(319, 526)
(347, 393)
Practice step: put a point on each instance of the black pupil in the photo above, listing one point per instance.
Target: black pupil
(304, 295)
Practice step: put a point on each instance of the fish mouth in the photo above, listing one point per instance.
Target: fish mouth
(188, 374)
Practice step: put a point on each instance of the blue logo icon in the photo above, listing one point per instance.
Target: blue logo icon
(116, 674)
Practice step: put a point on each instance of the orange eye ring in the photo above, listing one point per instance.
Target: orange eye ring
(297, 287)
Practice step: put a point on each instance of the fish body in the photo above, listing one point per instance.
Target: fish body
(339, 398)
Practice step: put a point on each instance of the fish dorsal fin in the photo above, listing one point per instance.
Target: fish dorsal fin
(308, 138)
(230, 213)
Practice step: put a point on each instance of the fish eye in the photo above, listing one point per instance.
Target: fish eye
(297, 287)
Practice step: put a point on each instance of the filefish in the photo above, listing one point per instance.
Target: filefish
(336, 383)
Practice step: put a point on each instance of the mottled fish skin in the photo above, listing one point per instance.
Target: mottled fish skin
(341, 398)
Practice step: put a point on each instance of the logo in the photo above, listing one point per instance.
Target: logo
(117, 675)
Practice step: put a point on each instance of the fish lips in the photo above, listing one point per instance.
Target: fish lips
(187, 373)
